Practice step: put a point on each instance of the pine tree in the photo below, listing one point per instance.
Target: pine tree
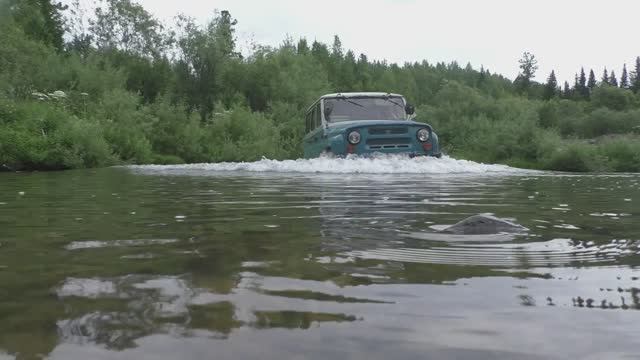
(624, 79)
(336, 49)
(363, 76)
(550, 89)
(592, 80)
(605, 77)
(585, 90)
(320, 52)
(303, 47)
(612, 79)
(635, 83)
(582, 89)
(481, 76)
(468, 68)
(566, 91)
(347, 72)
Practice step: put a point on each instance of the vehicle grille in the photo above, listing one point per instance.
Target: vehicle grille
(388, 130)
(388, 143)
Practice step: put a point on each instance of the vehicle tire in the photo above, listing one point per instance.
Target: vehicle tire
(327, 153)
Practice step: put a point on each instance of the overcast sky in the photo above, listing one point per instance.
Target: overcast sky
(563, 34)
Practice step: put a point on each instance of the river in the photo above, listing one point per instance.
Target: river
(318, 259)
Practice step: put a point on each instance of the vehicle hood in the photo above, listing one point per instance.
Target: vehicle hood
(360, 123)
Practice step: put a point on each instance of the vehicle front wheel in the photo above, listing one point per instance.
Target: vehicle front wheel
(327, 153)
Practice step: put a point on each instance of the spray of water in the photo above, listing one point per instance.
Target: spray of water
(384, 164)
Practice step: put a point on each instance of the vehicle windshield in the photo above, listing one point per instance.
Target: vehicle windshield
(364, 108)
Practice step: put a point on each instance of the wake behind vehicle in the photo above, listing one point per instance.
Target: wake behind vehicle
(366, 123)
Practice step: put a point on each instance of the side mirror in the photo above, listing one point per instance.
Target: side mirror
(409, 109)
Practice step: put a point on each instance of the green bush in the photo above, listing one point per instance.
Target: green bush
(605, 121)
(240, 135)
(288, 120)
(554, 113)
(126, 126)
(41, 136)
(178, 133)
(22, 62)
(575, 156)
(622, 154)
(612, 97)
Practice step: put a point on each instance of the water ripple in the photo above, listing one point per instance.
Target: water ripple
(553, 253)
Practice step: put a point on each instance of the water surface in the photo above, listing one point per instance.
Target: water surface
(317, 259)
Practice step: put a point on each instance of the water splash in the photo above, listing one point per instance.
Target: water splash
(384, 164)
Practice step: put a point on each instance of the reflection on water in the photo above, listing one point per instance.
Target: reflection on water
(185, 262)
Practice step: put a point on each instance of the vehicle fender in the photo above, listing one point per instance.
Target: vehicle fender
(337, 143)
(435, 142)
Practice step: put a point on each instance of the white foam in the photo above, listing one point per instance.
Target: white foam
(386, 164)
(95, 244)
(89, 288)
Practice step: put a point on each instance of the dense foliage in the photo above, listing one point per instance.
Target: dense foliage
(118, 86)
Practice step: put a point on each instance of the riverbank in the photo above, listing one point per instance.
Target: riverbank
(39, 135)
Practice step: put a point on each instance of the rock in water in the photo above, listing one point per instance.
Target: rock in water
(484, 224)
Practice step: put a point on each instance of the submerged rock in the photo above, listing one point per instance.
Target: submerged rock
(484, 224)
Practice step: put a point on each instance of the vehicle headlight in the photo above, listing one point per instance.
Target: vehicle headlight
(354, 137)
(423, 135)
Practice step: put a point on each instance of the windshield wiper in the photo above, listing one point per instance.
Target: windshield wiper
(391, 101)
(350, 101)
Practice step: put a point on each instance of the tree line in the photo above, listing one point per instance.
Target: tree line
(92, 87)
(582, 87)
